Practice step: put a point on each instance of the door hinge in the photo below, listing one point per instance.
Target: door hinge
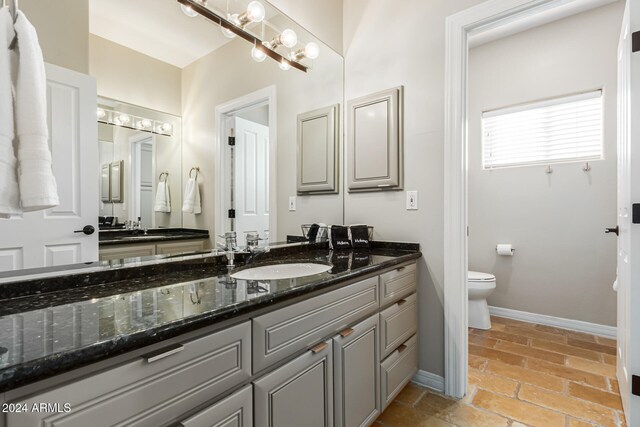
(232, 140)
(635, 385)
(635, 41)
(232, 213)
(635, 213)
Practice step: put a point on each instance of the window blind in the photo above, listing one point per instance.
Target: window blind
(553, 131)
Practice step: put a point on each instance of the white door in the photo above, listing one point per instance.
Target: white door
(143, 188)
(48, 238)
(628, 281)
(251, 166)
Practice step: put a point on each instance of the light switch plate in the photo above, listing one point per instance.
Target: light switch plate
(292, 203)
(412, 200)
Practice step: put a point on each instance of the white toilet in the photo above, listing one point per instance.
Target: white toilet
(480, 286)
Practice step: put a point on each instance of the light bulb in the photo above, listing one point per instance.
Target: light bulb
(311, 50)
(288, 38)
(187, 10)
(139, 125)
(233, 19)
(166, 127)
(146, 123)
(255, 11)
(101, 113)
(284, 66)
(124, 119)
(258, 55)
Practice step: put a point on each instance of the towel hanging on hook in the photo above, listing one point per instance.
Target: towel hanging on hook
(195, 168)
(165, 174)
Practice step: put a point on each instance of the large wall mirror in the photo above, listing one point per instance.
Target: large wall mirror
(173, 89)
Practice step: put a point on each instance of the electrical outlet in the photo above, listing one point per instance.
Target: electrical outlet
(292, 203)
(412, 200)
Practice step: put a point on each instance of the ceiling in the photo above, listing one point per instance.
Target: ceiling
(156, 28)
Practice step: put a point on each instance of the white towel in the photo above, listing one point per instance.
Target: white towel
(9, 194)
(38, 189)
(191, 203)
(163, 198)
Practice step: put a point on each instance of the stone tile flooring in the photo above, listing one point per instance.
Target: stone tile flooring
(522, 374)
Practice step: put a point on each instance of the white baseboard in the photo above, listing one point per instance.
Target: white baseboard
(559, 322)
(429, 380)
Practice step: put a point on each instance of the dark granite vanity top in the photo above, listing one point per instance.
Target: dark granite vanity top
(153, 235)
(53, 325)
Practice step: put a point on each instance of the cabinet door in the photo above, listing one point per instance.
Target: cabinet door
(233, 411)
(356, 374)
(375, 147)
(299, 393)
(179, 247)
(126, 251)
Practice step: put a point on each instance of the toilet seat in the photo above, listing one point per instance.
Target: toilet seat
(478, 280)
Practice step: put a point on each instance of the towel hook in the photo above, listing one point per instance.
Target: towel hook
(165, 174)
(13, 10)
(195, 168)
(586, 167)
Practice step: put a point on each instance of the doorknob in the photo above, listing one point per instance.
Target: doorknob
(613, 230)
(87, 229)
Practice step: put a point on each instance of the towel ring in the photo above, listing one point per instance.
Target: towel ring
(165, 174)
(197, 169)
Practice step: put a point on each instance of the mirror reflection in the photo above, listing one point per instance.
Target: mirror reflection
(142, 157)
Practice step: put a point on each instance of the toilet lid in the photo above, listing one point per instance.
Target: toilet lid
(476, 276)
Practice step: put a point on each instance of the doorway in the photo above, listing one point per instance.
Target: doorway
(488, 19)
(142, 179)
(247, 172)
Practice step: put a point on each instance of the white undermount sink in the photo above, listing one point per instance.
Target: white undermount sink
(281, 271)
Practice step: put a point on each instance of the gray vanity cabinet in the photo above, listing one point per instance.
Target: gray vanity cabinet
(356, 361)
(233, 411)
(299, 393)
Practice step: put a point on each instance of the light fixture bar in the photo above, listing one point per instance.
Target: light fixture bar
(130, 121)
(214, 17)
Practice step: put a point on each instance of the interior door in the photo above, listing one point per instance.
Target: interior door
(251, 184)
(628, 281)
(48, 238)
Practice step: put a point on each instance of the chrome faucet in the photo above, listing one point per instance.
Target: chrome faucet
(253, 242)
(230, 247)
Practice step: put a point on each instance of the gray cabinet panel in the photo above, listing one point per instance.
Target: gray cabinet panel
(375, 142)
(398, 323)
(233, 411)
(398, 369)
(300, 393)
(318, 142)
(357, 374)
(148, 392)
(283, 332)
(397, 283)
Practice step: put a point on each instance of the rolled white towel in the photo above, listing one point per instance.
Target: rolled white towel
(163, 198)
(38, 189)
(191, 203)
(9, 192)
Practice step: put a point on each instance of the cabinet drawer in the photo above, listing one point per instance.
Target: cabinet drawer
(283, 332)
(397, 324)
(299, 393)
(154, 389)
(398, 369)
(180, 247)
(397, 283)
(233, 411)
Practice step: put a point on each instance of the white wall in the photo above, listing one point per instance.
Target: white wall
(564, 264)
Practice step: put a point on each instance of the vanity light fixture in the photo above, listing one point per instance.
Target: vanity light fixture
(125, 120)
(234, 24)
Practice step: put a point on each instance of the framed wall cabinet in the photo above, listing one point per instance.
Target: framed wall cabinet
(117, 181)
(318, 150)
(375, 142)
(105, 183)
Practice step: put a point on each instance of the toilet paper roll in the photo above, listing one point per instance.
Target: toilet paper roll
(505, 249)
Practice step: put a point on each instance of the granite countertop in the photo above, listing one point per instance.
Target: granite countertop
(57, 324)
(154, 235)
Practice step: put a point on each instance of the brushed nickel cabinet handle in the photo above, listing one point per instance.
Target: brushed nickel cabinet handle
(402, 348)
(154, 356)
(346, 332)
(318, 348)
(402, 302)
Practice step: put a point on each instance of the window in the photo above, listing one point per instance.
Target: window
(559, 130)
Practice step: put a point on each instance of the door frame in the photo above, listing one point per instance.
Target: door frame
(458, 28)
(266, 95)
(134, 188)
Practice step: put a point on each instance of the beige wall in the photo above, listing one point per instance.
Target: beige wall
(229, 73)
(564, 264)
(382, 52)
(321, 18)
(63, 31)
(129, 76)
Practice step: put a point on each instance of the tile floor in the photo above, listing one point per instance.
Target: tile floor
(522, 374)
